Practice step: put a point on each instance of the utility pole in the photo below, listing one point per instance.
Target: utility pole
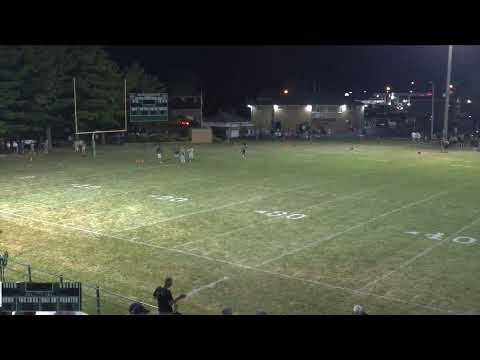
(433, 110)
(447, 92)
(201, 108)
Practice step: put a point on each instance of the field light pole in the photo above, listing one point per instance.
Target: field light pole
(447, 92)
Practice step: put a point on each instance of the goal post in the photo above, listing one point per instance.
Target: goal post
(95, 132)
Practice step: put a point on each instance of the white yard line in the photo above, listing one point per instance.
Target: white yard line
(211, 286)
(280, 192)
(333, 236)
(246, 267)
(272, 219)
(259, 197)
(419, 255)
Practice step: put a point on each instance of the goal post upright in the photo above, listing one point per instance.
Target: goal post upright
(93, 133)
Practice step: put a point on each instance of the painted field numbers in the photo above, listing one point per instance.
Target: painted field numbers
(169, 198)
(464, 240)
(86, 186)
(284, 214)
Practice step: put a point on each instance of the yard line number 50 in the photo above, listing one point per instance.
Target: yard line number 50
(284, 214)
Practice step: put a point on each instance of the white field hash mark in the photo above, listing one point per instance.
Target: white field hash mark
(246, 267)
(419, 255)
(333, 236)
(211, 286)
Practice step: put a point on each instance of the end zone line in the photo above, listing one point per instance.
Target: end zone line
(333, 236)
(246, 267)
(419, 255)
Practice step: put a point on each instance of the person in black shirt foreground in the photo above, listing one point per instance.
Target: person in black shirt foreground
(165, 300)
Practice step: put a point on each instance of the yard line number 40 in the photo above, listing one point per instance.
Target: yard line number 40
(284, 214)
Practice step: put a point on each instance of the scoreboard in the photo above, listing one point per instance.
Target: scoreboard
(30, 296)
(145, 108)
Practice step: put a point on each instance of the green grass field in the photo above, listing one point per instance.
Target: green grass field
(296, 228)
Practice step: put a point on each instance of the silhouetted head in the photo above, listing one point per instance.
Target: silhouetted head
(168, 282)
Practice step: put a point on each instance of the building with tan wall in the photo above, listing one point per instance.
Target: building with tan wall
(288, 113)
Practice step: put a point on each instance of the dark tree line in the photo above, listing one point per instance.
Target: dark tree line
(36, 88)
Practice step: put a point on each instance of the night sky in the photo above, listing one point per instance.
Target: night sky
(230, 73)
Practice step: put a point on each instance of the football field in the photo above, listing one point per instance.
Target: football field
(296, 228)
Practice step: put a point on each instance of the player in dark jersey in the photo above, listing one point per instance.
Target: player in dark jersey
(244, 150)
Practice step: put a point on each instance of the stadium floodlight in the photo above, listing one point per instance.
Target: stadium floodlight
(275, 107)
(308, 108)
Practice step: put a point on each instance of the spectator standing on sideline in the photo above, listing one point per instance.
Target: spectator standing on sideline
(227, 311)
(358, 310)
(165, 300)
(8, 146)
(138, 309)
(15, 146)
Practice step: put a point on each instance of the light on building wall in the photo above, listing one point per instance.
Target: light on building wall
(451, 86)
(250, 107)
(347, 94)
(308, 107)
(275, 107)
(285, 91)
(378, 96)
(342, 108)
(469, 101)
(404, 100)
(411, 91)
(412, 83)
(388, 88)
(408, 104)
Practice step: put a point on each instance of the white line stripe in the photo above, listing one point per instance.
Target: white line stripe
(314, 243)
(209, 209)
(211, 286)
(419, 255)
(273, 219)
(232, 204)
(246, 267)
